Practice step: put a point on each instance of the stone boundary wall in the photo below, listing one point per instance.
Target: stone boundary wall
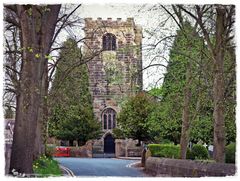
(187, 168)
(127, 148)
(134, 152)
(84, 151)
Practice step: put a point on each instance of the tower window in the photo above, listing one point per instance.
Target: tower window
(109, 42)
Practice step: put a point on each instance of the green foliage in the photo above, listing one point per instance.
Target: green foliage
(74, 123)
(165, 125)
(133, 118)
(164, 150)
(166, 119)
(230, 120)
(230, 94)
(198, 152)
(46, 166)
(202, 129)
(118, 133)
(156, 92)
(230, 153)
(72, 115)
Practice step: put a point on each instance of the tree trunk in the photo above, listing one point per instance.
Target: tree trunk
(42, 116)
(37, 30)
(218, 89)
(26, 119)
(185, 116)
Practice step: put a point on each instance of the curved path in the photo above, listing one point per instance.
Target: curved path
(100, 167)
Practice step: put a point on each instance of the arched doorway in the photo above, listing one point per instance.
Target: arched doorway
(109, 144)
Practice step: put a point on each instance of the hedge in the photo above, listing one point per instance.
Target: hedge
(164, 150)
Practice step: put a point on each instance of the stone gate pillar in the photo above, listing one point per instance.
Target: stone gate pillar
(118, 144)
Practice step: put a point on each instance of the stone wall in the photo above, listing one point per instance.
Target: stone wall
(126, 58)
(127, 148)
(120, 146)
(97, 150)
(187, 168)
(84, 151)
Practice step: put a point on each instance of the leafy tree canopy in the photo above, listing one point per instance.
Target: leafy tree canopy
(133, 117)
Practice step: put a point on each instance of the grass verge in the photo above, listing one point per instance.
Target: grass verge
(46, 166)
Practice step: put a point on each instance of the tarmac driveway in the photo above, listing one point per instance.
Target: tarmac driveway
(100, 167)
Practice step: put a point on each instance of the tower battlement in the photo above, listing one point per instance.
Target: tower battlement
(109, 22)
(90, 23)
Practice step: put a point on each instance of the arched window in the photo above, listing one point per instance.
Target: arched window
(109, 42)
(105, 121)
(109, 118)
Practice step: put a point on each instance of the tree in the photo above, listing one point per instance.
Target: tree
(215, 26)
(37, 22)
(165, 126)
(72, 115)
(73, 123)
(189, 45)
(177, 89)
(18, 47)
(224, 18)
(132, 118)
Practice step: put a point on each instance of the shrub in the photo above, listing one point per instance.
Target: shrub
(164, 150)
(199, 152)
(230, 153)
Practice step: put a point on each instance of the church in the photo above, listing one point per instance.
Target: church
(115, 73)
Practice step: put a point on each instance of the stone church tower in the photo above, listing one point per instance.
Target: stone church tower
(114, 73)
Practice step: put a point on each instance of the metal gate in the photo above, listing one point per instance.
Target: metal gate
(109, 144)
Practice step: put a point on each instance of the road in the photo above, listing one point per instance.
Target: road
(100, 167)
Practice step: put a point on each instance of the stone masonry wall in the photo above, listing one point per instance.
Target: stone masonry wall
(126, 60)
(127, 148)
(187, 168)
